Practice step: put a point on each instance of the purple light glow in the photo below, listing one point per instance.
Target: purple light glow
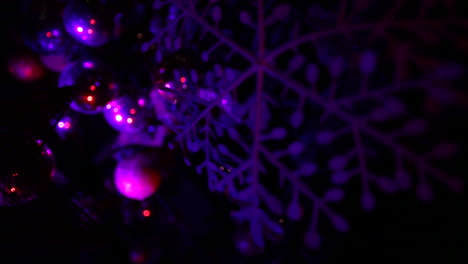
(88, 65)
(134, 180)
(141, 102)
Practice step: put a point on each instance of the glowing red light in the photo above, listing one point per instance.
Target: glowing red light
(132, 111)
(92, 87)
(13, 189)
(146, 213)
(66, 125)
(90, 31)
(89, 98)
(182, 79)
(92, 21)
(129, 120)
(49, 34)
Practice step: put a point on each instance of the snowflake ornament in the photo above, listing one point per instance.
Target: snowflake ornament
(298, 105)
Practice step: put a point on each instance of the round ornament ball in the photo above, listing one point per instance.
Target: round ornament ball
(43, 29)
(126, 115)
(26, 170)
(54, 62)
(95, 84)
(176, 73)
(89, 22)
(136, 177)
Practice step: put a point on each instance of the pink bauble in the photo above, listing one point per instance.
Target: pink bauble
(136, 178)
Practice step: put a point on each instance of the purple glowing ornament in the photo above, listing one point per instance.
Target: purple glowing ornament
(175, 80)
(136, 178)
(89, 22)
(95, 83)
(126, 115)
(43, 29)
(49, 40)
(54, 62)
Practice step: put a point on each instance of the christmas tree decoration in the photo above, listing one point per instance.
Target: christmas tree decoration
(95, 83)
(89, 22)
(126, 115)
(43, 30)
(25, 171)
(54, 62)
(294, 113)
(174, 88)
(289, 97)
(66, 124)
(26, 68)
(49, 40)
(136, 177)
(174, 85)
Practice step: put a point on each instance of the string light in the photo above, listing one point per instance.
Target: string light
(146, 213)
